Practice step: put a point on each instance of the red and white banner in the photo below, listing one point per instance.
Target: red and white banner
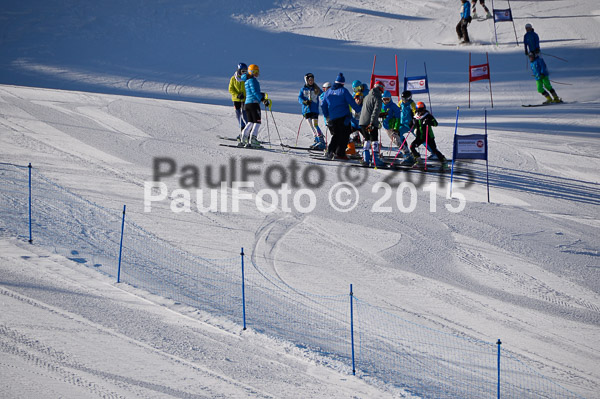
(479, 72)
(390, 83)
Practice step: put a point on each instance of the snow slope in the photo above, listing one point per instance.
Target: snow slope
(92, 93)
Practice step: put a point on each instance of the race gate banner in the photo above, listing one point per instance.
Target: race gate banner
(479, 72)
(472, 146)
(417, 84)
(503, 15)
(389, 82)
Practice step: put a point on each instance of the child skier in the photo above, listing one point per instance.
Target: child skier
(309, 98)
(254, 97)
(407, 113)
(423, 124)
(465, 20)
(391, 122)
(238, 94)
(369, 124)
(540, 72)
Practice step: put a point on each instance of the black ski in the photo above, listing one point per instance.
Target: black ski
(542, 104)
(235, 139)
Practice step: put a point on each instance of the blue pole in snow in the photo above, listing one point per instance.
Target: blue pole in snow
(121, 246)
(352, 329)
(30, 236)
(243, 291)
(499, 343)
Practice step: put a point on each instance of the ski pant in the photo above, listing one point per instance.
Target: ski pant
(544, 83)
(373, 135)
(430, 144)
(313, 122)
(340, 134)
(461, 30)
(240, 114)
(254, 120)
(474, 2)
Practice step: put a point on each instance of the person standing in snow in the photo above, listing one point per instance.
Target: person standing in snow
(369, 125)
(407, 113)
(531, 41)
(540, 72)
(249, 136)
(488, 13)
(238, 94)
(391, 121)
(465, 20)
(423, 124)
(309, 98)
(336, 109)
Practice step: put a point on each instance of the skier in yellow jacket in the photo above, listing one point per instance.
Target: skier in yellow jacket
(238, 94)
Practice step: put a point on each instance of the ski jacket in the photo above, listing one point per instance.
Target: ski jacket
(336, 102)
(393, 114)
(371, 109)
(407, 112)
(531, 41)
(420, 123)
(310, 93)
(539, 68)
(465, 10)
(253, 94)
(236, 87)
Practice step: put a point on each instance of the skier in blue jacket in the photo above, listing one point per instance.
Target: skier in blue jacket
(336, 109)
(249, 136)
(391, 122)
(531, 41)
(309, 98)
(465, 20)
(540, 72)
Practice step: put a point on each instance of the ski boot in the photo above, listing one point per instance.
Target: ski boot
(254, 143)
(319, 143)
(241, 141)
(366, 158)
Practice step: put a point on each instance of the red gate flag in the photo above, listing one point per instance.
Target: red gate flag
(479, 72)
(390, 82)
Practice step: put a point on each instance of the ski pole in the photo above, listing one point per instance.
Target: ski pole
(400, 148)
(276, 129)
(560, 83)
(550, 55)
(426, 141)
(268, 131)
(299, 126)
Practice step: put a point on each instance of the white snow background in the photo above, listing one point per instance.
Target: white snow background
(92, 92)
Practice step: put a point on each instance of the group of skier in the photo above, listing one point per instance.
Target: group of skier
(344, 114)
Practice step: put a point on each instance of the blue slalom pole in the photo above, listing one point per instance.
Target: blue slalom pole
(243, 291)
(352, 329)
(121, 246)
(499, 343)
(30, 236)
(454, 150)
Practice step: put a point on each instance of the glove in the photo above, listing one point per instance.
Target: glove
(370, 128)
(383, 115)
(306, 102)
(267, 102)
(240, 96)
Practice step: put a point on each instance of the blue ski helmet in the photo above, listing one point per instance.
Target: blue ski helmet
(242, 67)
(356, 83)
(386, 94)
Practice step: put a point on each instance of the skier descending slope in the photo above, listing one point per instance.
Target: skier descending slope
(540, 72)
(252, 107)
(465, 20)
(309, 98)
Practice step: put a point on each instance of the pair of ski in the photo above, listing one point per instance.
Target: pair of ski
(542, 104)
(432, 166)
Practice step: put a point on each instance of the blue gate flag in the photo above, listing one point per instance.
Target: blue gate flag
(416, 84)
(473, 146)
(503, 15)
